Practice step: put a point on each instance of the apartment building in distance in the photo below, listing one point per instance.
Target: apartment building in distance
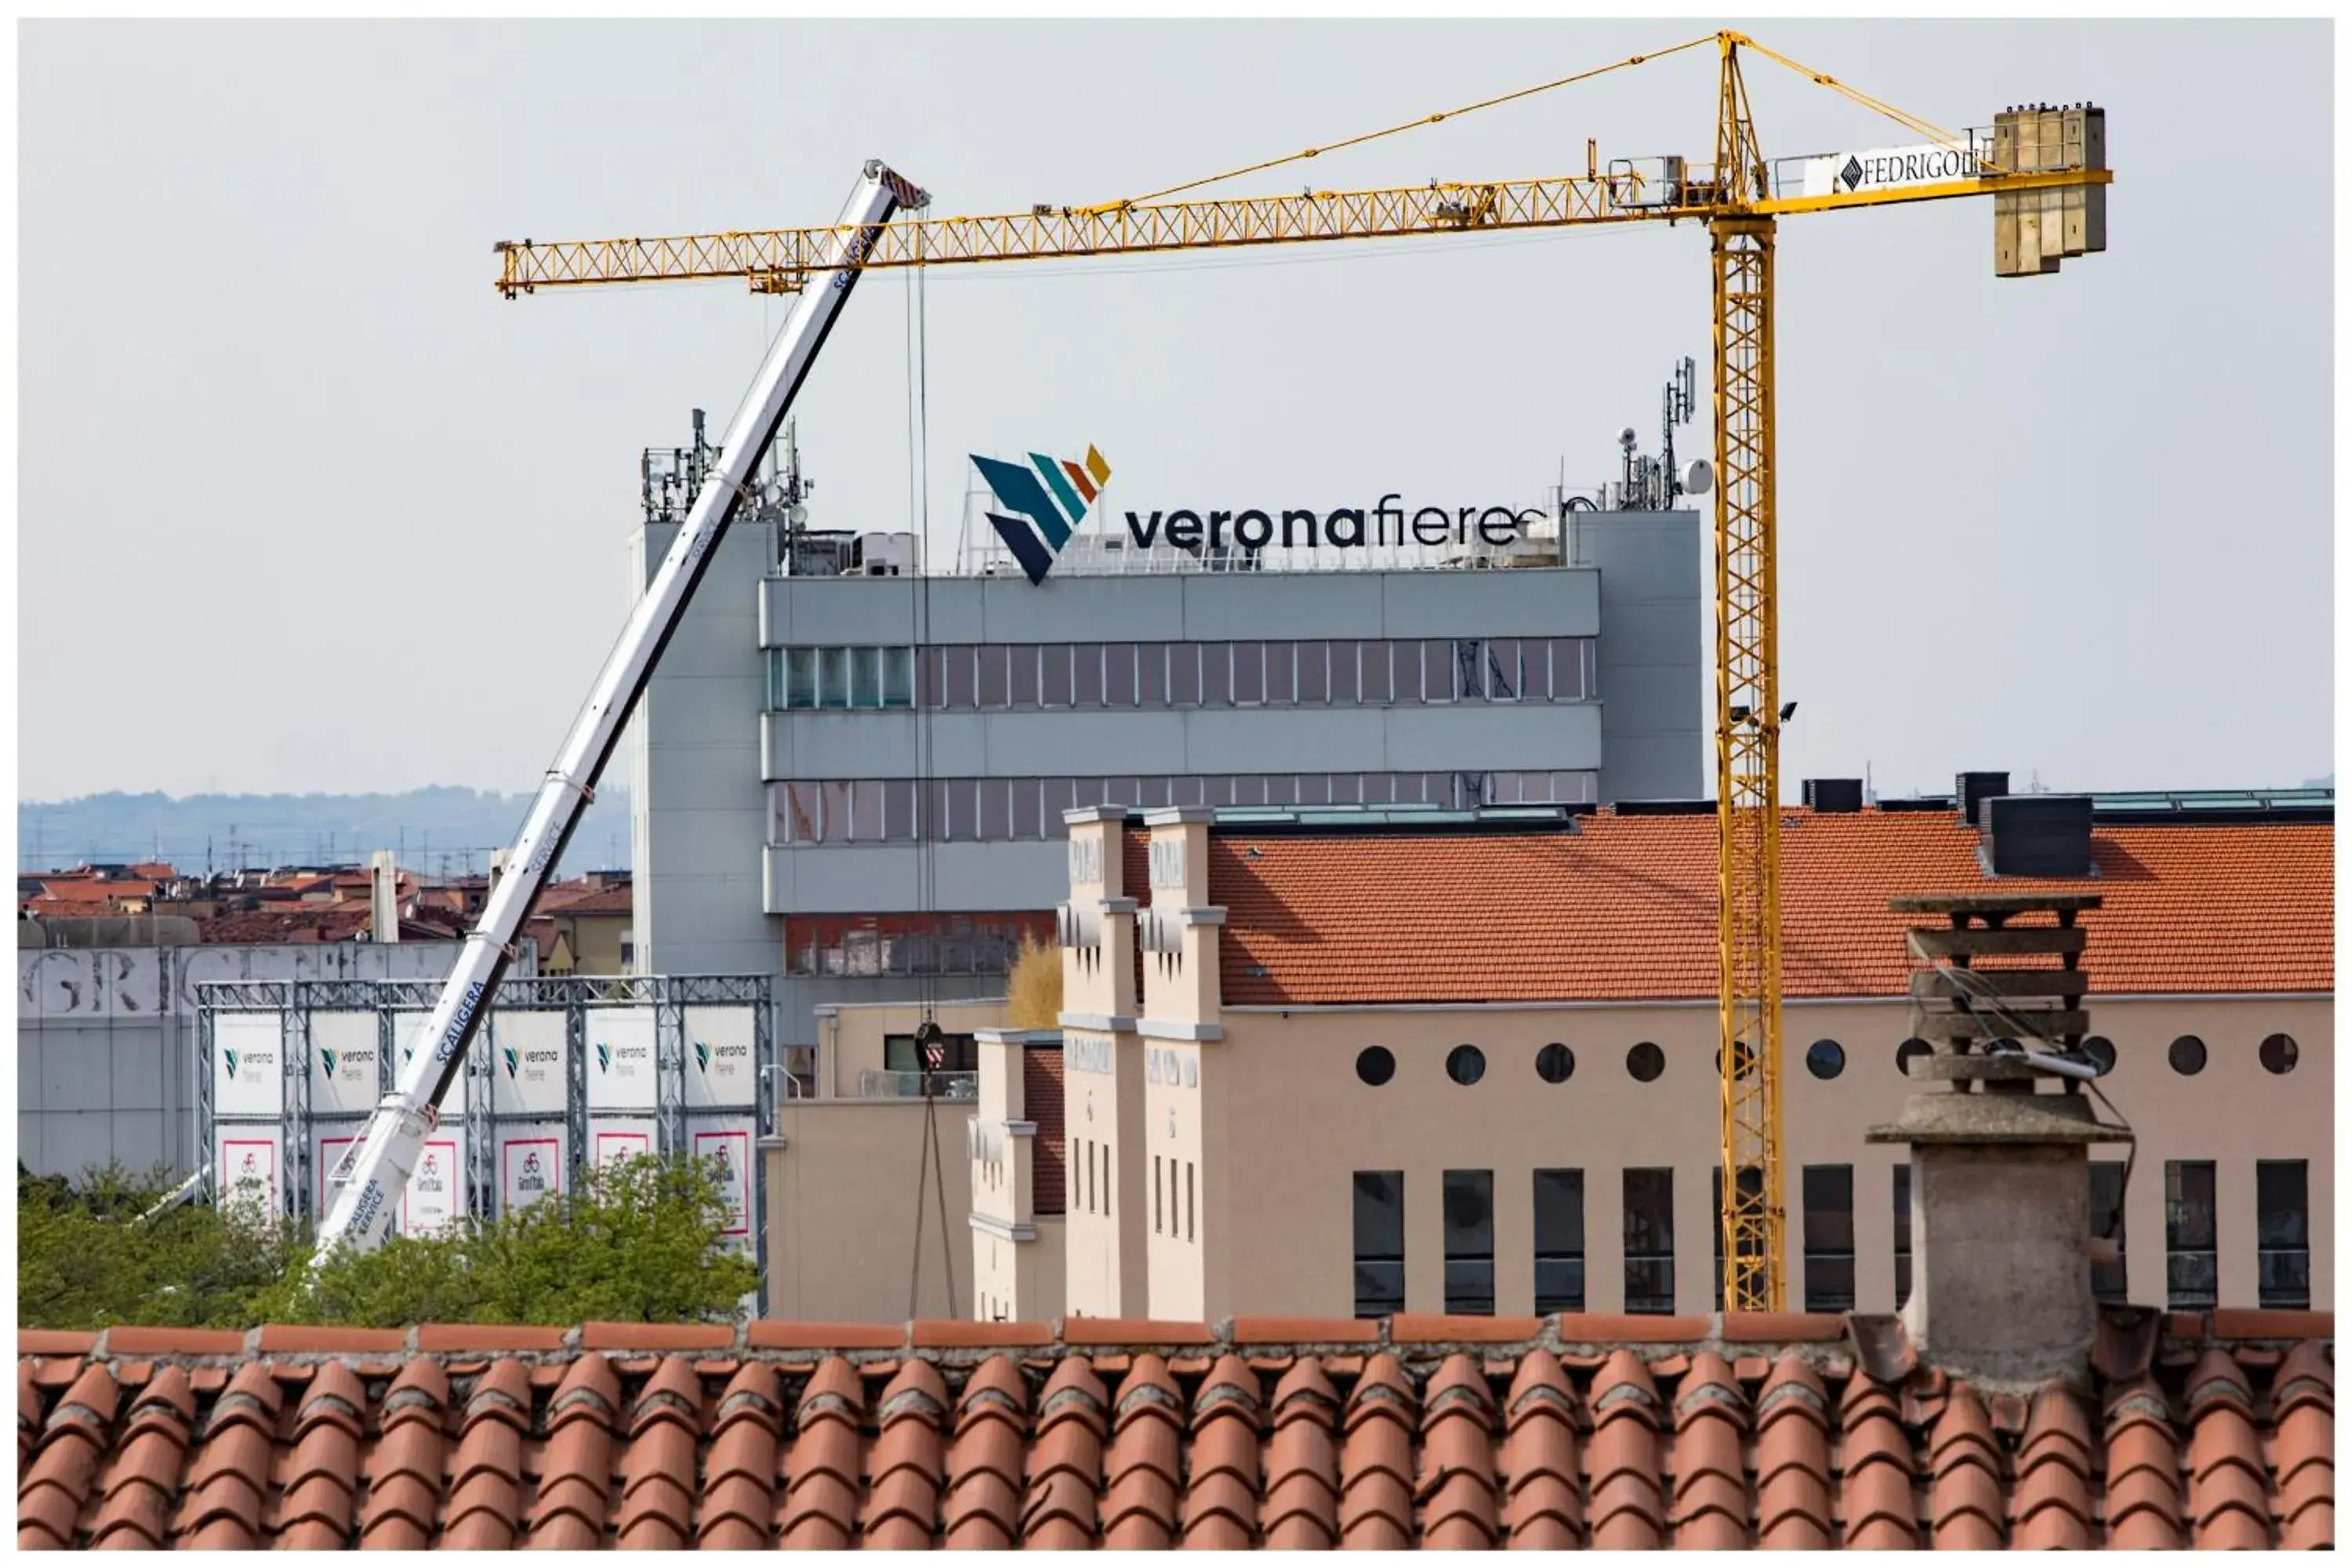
(1357, 1068)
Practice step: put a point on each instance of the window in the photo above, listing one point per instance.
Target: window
(1054, 674)
(2283, 1232)
(1119, 675)
(1559, 1241)
(962, 674)
(1645, 1062)
(1909, 1051)
(1826, 1059)
(1375, 1065)
(866, 823)
(1436, 677)
(1281, 673)
(1902, 1233)
(1184, 675)
(1249, 672)
(800, 678)
(1466, 1065)
(995, 680)
(898, 677)
(1829, 1239)
(1378, 677)
(2109, 1281)
(2101, 1051)
(1086, 674)
(1554, 1063)
(1470, 1243)
(1343, 686)
(1189, 1232)
(1650, 1240)
(1380, 1243)
(1505, 682)
(833, 677)
(1216, 674)
(1314, 672)
(1104, 1151)
(1155, 1195)
(2186, 1056)
(2278, 1054)
(2191, 1263)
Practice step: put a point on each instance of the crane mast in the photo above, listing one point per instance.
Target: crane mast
(376, 1174)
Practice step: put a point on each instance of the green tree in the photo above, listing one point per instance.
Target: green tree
(642, 1241)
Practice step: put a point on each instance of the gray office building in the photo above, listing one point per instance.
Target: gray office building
(850, 771)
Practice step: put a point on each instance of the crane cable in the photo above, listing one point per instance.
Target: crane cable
(1821, 78)
(1394, 130)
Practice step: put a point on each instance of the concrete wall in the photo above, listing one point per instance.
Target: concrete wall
(107, 1047)
(1653, 662)
(699, 808)
(1299, 1124)
(841, 1215)
(1188, 607)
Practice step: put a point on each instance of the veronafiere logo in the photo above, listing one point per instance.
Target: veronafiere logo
(1048, 504)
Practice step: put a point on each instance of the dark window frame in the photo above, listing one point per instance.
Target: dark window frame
(1378, 1271)
(1649, 1256)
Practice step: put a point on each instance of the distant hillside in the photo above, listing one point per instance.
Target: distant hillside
(445, 829)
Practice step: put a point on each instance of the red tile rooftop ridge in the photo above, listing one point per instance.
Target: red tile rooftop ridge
(1305, 928)
(1419, 1431)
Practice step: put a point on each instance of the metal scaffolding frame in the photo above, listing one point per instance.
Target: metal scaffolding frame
(669, 998)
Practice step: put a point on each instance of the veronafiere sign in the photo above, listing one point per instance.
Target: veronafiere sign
(1050, 497)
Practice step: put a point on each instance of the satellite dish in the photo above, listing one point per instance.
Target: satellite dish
(1626, 437)
(798, 515)
(1699, 477)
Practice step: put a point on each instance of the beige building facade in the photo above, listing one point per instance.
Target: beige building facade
(1330, 1153)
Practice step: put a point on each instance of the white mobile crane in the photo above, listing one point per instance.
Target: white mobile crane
(374, 1176)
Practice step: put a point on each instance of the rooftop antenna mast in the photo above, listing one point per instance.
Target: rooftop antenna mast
(1675, 403)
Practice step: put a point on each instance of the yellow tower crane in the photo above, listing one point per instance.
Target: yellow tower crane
(2045, 169)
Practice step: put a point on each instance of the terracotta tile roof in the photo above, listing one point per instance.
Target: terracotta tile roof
(1040, 1101)
(1624, 909)
(1438, 1433)
(618, 900)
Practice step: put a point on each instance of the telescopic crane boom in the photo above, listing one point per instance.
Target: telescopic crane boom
(378, 1173)
(2046, 170)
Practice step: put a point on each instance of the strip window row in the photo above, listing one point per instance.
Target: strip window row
(883, 811)
(1367, 673)
(2282, 1220)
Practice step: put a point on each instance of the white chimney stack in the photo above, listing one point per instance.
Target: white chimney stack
(384, 895)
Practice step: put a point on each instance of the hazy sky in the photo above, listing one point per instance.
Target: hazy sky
(305, 505)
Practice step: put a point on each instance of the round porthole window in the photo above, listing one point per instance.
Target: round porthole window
(1375, 1065)
(1466, 1065)
(2102, 1052)
(1745, 1056)
(1826, 1059)
(2186, 1056)
(1554, 1063)
(2279, 1053)
(1908, 1052)
(1645, 1062)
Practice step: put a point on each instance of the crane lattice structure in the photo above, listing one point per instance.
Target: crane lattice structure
(2046, 170)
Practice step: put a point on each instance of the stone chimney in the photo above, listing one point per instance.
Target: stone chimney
(384, 896)
(2000, 1132)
